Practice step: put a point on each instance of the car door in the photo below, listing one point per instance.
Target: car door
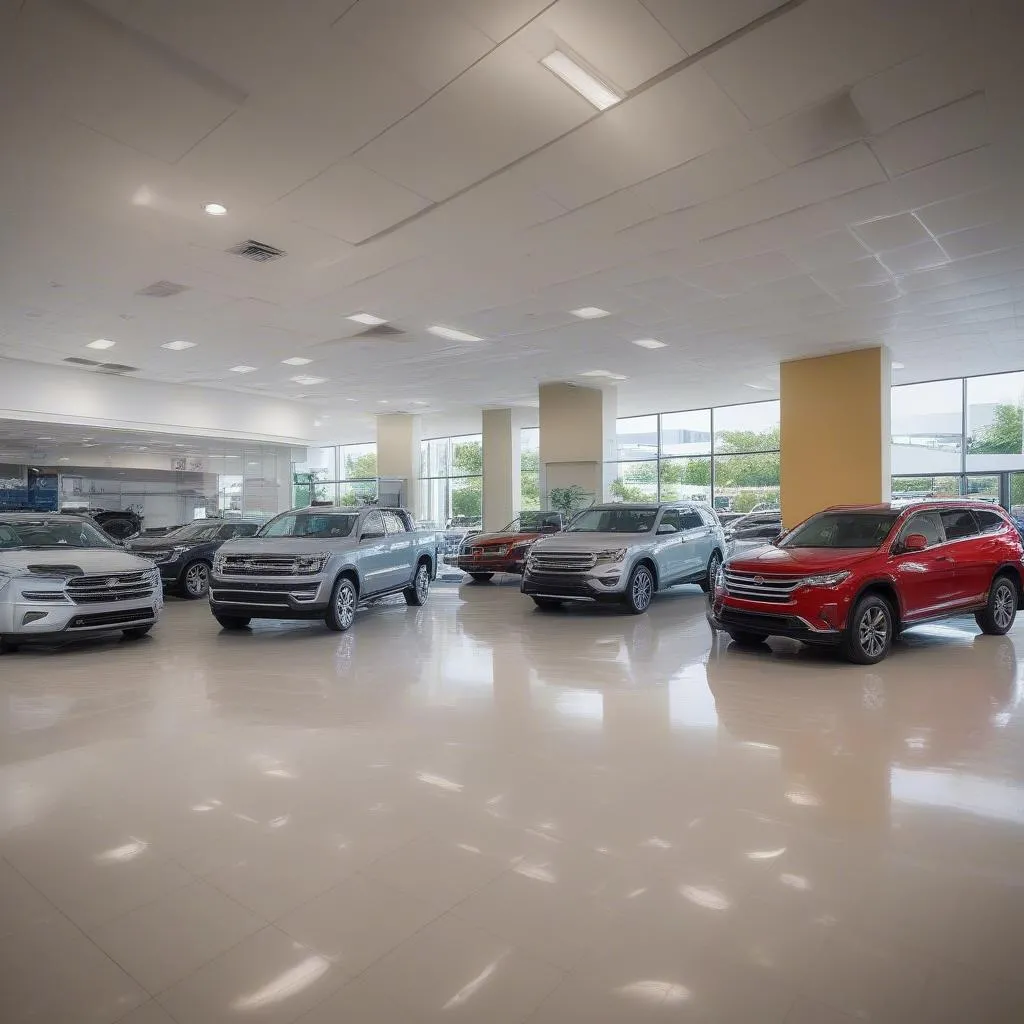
(374, 553)
(668, 547)
(400, 548)
(924, 578)
(697, 542)
(973, 573)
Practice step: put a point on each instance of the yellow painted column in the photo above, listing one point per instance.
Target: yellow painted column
(835, 431)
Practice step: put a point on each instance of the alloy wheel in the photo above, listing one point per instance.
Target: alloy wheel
(873, 632)
(713, 566)
(422, 583)
(1003, 603)
(197, 580)
(346, 605)
(643, 587)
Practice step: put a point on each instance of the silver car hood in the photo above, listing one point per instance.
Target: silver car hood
(590, 541)
(256, 546)
(89, 560)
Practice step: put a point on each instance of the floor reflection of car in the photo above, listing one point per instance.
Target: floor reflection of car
(838, 742)
(484, 554)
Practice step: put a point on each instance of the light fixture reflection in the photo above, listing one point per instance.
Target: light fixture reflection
(470, 989)
(705, 896)
(440, 781)
(802, 798)
(651, 991)
(120, 854)
(795, 882)
(766, 854)
(285, 985)
(538, 872)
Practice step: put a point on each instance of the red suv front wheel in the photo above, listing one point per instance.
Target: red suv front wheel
(869, 631)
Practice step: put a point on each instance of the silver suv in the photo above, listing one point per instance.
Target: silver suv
(62, 579)
(624, 554)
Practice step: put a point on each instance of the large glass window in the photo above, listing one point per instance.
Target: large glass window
(927, 422)
(995, 412)
(529, 469)
(451, 480)
(747, 428)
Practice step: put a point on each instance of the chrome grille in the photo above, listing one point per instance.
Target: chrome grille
(262, 565)
(562, 561)
(124, 586)
(752, 586)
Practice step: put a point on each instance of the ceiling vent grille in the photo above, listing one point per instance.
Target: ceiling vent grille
(162, 289)
(258, 252)
(116, 368)
(380, 331)
(79, 361)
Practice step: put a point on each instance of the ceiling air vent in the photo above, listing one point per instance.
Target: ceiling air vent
(79, 361)
(162, 289)
(380, 331)
(258, 252)
(117, 368)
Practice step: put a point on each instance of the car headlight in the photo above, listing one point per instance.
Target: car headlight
(719, 578)
(522, 545)
(179, 550)
(218, 563)
(831, 579)
(307, 565)
(612, 555)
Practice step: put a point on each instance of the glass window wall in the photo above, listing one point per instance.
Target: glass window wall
(451, 481)
(529, 469)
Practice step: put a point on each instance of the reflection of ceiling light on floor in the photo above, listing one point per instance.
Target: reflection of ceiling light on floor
(651, 991)
(285, 985)
(705, 896)
(215, 209)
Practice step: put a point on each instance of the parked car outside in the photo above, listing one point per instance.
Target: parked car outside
(754, 530)
(185, 555)
(322, 563)
(484, 554)
(61, 578)
(854, 577)
(624, 554)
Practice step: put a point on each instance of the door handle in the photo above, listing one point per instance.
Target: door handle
(944, 558)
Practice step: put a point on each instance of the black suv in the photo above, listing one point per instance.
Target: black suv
(184, 556)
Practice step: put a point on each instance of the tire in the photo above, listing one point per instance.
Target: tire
(416, 595)
(341, 612)
(137, 632)
(9, 646)
(195, 580)
(869, 631)
(708, 583)
(547, 604)
(743, 639)
(481, 577)
(233, 621)
(639, 590)
(997, 617)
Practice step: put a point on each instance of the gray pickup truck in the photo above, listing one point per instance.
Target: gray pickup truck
(624, 554)
(322, 563)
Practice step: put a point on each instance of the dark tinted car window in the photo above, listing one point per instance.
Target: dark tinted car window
(245, 529)
(958, 523)
(689, 520)
(671, 517)
(393, 522)
(989, 522)
(926, 523)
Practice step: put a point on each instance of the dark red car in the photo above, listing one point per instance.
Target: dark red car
(484, 554)
(854, 577)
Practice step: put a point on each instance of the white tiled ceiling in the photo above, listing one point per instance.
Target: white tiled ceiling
(843, 172)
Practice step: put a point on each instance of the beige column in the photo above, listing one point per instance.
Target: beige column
(835, 431)
(501, 441)
(398, 453)
(577, 438)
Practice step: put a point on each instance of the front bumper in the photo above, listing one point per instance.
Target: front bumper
(29, 619)
(728, 615)
(513, 565)
(605, 584)
(294, 597)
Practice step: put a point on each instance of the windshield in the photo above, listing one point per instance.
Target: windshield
(842, 530)
(535, 522)
(51, 533)
(311, 524)
(614, 520)
(196, 531)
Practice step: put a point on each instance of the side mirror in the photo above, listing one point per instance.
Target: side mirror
(915, 542)
(666, 528)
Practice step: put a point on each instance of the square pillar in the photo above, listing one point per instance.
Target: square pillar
(835, 433)
(398, 453)
(577, 438)
(501, 442)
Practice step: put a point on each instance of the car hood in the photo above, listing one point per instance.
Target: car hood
(257, 546)
(500, 538)
(591, 541)
(788, 560)
(73, 560)
(158, 543)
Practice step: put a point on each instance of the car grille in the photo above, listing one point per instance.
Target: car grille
(559, 584)
(262, 565)
(759, 622)
(125, 618)
(487, 552)
(266, 594)
(752, 586)
(562, 561)
(125, 586)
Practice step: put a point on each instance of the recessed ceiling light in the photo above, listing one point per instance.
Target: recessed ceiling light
(242, 368)
(297, 361)
(383, 401)
(607, 374)
(178, 346)
(215, 209)
(44, 438)
(648, 343)
(367, 318)
(451, 334)
(351, 399)
(590, 312)
(419, 403)
(101, 343)
(898, 366)
(585, 82)
(303, 378)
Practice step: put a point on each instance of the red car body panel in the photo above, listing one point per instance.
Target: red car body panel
(762, 591)
(501, 552)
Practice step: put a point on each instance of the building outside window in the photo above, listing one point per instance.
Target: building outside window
(727, 456)
(451, 480)
(345, 474)
(529, 469)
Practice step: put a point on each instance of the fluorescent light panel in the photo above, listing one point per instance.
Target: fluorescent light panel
(452, 334)
(577, 77)
(178, 346)
(898, 366)
(303, 378)
(242, 368)
(101, 343)
(607, 374)
(651, 343)
(297, 361)
(367, 318)
(590, 312)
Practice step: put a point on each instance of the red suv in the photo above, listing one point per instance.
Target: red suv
(855, 576)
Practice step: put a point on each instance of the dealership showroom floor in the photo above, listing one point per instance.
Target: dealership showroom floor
(451, 814)
(624, 402)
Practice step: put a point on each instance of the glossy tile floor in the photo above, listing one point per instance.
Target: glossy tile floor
(478, 812)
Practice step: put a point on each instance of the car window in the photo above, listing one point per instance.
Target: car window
(226, 532)
(690, 520)
(989, 522)
(710, 518)
(373, 524)
(393, 522)
(246, 529)
(671, 517)
(928, 524)
(958, 523)
(8, 537)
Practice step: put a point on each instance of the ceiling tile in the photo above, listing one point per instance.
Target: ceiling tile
(890, 232)
(912, 258)
(696, 24)
(499, 18)
(972, 210)
(984, 238)
(827, 250)
(841, 276)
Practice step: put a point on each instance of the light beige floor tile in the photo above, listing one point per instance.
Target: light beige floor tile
(148, 1013)
(165, 941)
(267, 977)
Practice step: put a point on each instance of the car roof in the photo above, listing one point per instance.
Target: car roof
(918, 506)
(643, 506)
(24, 516)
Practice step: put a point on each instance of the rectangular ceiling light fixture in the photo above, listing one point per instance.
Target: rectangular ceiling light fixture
(451, 334)
(607, 374)
(297, 361)
(303, 378)
(648, 343)
(101, 343)
(367, 318)
(590, 312)
(585, 82)
(242, 368)
(178, 346)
